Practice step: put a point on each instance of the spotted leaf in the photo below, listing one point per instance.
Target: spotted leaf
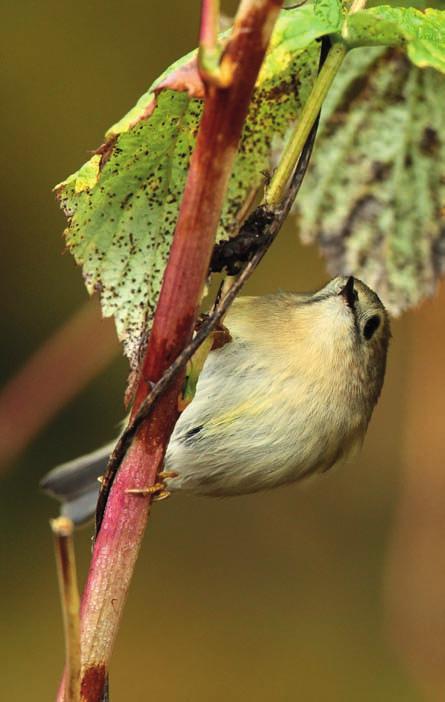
(374, 196)
(123, 204)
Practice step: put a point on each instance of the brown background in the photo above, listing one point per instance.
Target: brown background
(329, 591)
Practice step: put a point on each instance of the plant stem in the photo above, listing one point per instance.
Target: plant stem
(209, 53)
(357, 5)
(279, 183)
(62, 529)
(118, 541)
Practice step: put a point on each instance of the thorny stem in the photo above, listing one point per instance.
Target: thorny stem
(62, 529)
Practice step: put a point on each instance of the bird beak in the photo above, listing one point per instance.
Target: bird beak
(348, 292)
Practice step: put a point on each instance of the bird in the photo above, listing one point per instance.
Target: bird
(290, 396)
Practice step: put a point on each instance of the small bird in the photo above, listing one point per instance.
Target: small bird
(289, 396)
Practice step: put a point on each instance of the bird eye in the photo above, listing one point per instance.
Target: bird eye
(371, 326)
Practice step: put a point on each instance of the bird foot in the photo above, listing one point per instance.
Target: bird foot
(167, 474)
(158, 490)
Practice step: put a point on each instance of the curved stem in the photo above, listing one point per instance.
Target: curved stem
(286, 167)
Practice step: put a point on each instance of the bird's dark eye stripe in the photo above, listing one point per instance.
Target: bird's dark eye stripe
(371, 326)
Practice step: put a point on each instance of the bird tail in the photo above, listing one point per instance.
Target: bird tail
(75, 484)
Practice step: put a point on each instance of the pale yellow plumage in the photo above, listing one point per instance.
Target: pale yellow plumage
(289, 396)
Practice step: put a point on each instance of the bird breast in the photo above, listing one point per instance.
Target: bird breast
(257, 424)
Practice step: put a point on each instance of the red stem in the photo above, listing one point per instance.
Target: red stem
(118, 542)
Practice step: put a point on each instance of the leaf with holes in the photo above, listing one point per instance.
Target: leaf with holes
(123, 204)
(374, 196)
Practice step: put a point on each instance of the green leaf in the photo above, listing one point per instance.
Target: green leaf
(330, 12)
(123, 204)
(422, 32)
(304, 24)
(374, 196)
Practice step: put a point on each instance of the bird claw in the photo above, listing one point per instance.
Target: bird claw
(145, 491)
(167, 474)
(158, 490)
(162, 495)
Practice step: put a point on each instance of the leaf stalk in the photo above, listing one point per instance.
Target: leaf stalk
(280, 180)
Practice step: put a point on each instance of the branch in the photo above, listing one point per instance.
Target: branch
(118, 541)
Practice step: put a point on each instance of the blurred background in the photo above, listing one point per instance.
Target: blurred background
(333, 590)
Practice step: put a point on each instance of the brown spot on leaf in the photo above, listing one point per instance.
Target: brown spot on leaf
(356, 89)
(438, 253)
(365, 208)
(126, 199)
(380, 171)
(185, 79)
(281, 90)
(430, 142)
(105, 151)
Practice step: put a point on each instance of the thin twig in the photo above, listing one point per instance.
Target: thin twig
(62, 529)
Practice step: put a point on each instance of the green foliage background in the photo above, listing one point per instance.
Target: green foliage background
(269, 597)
